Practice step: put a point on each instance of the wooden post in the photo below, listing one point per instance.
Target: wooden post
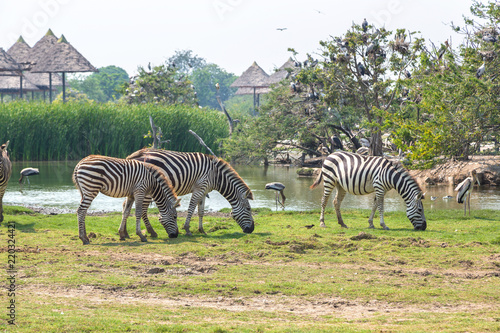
(64, 86)
(50, 87)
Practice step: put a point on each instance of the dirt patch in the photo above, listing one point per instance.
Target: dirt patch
(320, 306)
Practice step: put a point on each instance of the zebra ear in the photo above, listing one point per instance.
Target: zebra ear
(249, 194)
(177, 203)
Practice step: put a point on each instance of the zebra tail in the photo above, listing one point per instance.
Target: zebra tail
(317, 181)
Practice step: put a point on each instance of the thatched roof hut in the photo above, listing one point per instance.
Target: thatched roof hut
(20, 52)
(43, 46)
(282, 72)
(63, 58)
(254, 77)
(8, 66)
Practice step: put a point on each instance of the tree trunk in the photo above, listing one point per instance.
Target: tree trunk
(376, 143)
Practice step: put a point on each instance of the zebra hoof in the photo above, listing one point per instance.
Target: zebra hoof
(371, 227)
(189, 233)
(386, 228)
(322, 225)
(154, 235)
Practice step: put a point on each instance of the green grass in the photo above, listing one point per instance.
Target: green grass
(282, 278)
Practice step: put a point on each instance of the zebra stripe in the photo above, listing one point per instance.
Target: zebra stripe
(5, 172)
(199, 174)
(359, 175)
(120, 178)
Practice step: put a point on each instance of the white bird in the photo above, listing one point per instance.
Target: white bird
(464, 189)
(278, 187)
(26, 172)
(447, 197)
(433, 198)
(480, 71)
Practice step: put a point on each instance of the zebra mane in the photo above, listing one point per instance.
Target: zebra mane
(227, 168)
(139, 153)
(159, 175)
(398, 167)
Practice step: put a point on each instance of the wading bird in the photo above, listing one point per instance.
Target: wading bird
(26, 172)
(278, 187)
(480, 71)
(464, 189)
(364, 25)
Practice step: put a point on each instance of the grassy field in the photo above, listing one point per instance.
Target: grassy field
(282, 278)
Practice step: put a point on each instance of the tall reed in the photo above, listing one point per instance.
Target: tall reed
(40, 131)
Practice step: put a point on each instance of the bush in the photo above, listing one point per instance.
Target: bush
(40, 131)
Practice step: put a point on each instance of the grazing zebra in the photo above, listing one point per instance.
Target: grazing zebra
(356, 174)
(5, 172)
(120, 178)
(198, 174)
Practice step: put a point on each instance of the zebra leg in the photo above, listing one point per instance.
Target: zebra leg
(138, 215)
(201, 210)
(336, 203)
(149, 227)
(324, 201)
(81, 213)
(196, 197)
(127, 206)
(374, 209)
(380, 204)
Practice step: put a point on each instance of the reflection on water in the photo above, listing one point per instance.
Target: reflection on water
(54, 188)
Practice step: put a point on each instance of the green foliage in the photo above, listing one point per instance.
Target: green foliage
(185, 62)
(204, 79)
(70, 131)
(102, 86)
(161, 85)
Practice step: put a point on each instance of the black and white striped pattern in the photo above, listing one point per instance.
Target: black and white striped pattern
(358, 175)
(5, 172)
(120, 178)
(199, 174)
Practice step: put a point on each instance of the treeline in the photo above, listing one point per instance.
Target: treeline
(40, 131)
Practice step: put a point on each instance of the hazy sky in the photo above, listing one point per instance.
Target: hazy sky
(229, 33)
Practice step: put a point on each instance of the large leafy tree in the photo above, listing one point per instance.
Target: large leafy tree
(205, 78)
(159, 84)
(344, 94)
(454, 94)
(102, 86)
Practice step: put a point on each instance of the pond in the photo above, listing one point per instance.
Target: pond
(54, 188)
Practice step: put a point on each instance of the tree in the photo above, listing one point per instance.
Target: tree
(162, 85)
(457, 104)
(205, 79)
(102, 86)
(185, 62)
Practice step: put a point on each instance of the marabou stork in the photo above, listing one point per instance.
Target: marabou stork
(278, 187)
(364, 25)
(26, 172)
(464, 189)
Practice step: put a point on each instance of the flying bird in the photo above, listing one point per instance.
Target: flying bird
(465, 188)
(281, 29)
(26, 172)
(278, 187)
(480, 71)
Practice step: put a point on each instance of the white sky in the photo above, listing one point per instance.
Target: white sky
(229, 33)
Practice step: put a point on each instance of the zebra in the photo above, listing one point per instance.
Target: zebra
(5, 172)
(120, 178)
(358, 175)
(198, 174)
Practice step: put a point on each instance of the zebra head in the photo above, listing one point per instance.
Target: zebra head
(169, 219)
(415, 212)
(242, 213)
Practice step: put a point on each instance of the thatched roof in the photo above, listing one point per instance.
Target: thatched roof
(8, 66)
(41, 80)
(11, 84)
(20, 52)
(43, 46)
(254, 76)
(249, 91)
(62, 57)
(282, 73)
